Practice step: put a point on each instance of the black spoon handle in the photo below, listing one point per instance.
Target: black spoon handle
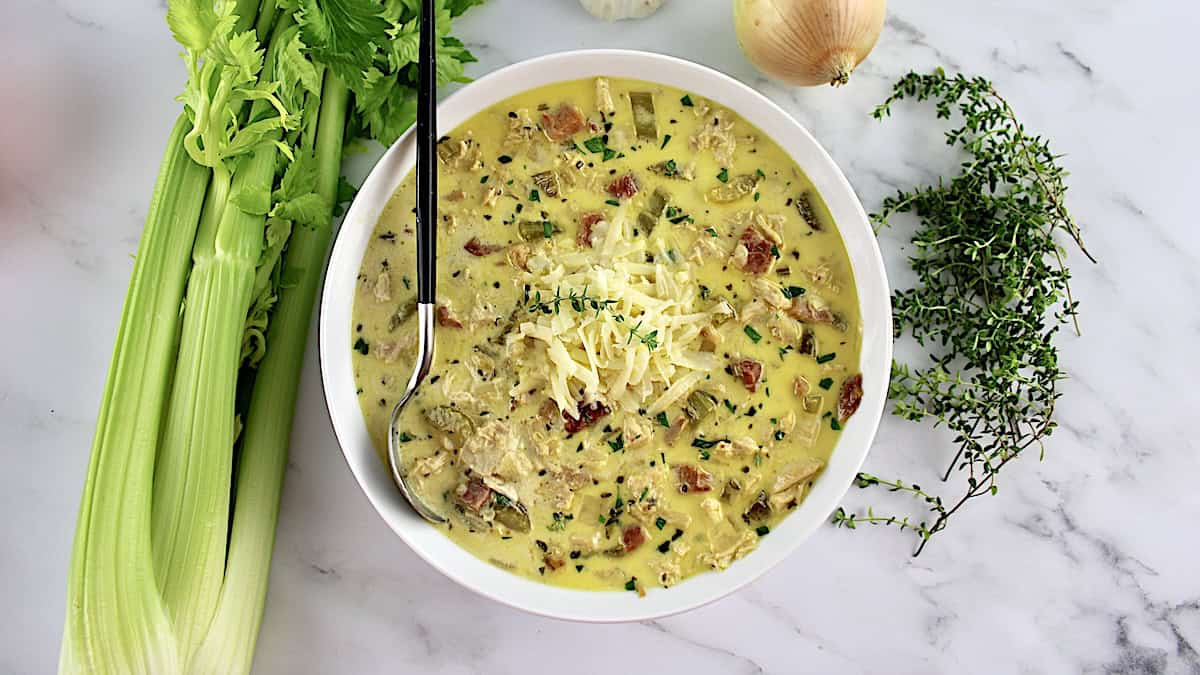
(426, 159)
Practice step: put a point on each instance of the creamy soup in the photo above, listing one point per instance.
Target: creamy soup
(648, 336)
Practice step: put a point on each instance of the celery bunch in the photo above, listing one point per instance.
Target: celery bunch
(177, 520)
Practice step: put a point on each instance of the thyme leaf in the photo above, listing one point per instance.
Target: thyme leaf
(991, 294)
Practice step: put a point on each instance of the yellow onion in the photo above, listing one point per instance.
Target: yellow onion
(808, 42)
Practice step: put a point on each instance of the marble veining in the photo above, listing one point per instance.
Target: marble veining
(1086, 561)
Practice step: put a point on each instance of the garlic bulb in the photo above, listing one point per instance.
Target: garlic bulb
(808, 42)
(611, 10)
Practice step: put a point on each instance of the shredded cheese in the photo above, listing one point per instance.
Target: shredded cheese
(638, 348)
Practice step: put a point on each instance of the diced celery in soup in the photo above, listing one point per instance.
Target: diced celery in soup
(648, 336)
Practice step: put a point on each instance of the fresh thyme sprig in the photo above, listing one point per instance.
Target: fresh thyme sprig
(992, 292)
(581, 302)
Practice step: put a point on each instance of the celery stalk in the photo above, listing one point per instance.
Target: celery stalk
(229, 646)
(116, 620)
(194, 470)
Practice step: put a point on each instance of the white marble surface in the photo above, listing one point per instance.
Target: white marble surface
(1086, 562)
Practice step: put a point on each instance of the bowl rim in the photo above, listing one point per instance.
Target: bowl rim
(372, 476)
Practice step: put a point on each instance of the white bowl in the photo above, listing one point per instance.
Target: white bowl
(457, 563)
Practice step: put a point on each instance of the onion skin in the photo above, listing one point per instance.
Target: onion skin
(808, 42)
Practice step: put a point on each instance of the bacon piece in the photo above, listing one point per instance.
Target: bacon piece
(749, 370)
(693, 478)
(588, 414)
(584, 238)
(445, 318)
(553, 562)
(480, 249)
(624, 187)
(758, 251)
(633, 537)
(563, 123)
(803, 309)
(476, 495)
(850, 397)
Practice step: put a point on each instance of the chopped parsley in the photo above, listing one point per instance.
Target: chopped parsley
(835, 424)
(504, 159)
(705, 444)
(756, 196)
(534, 196)
(662, 419)
(666, 139)
(617, 444)
(790, 292)
(754, 335)
(712, 232)
(404, 437)
(705, 291)
(484, 180)
(762, 530)
(559, 524)
(609, 153)
(826, 358)
(612, 202)
(594, 144)
(686, 101)
(825, 383)
(631, 585)
(665, 546)
(547, 229)
(724, 175)
(362, 347)
(759, 173)
(660, 522)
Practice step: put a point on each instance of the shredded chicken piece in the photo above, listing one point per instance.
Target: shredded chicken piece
(521, 130)
(786, 329)
(427, 466)
(383, 287)
(706, 248)
(388, 351)
(770, 292)
(788, 422)
(495, 453)
(822, 275)
(728, 544)
(792, 482)
(743, 446)
(604, 100)
(716, 134)
(518, 256)
(713, 508)
(636, 430)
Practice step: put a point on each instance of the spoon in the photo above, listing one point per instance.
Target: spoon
(426, 250)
